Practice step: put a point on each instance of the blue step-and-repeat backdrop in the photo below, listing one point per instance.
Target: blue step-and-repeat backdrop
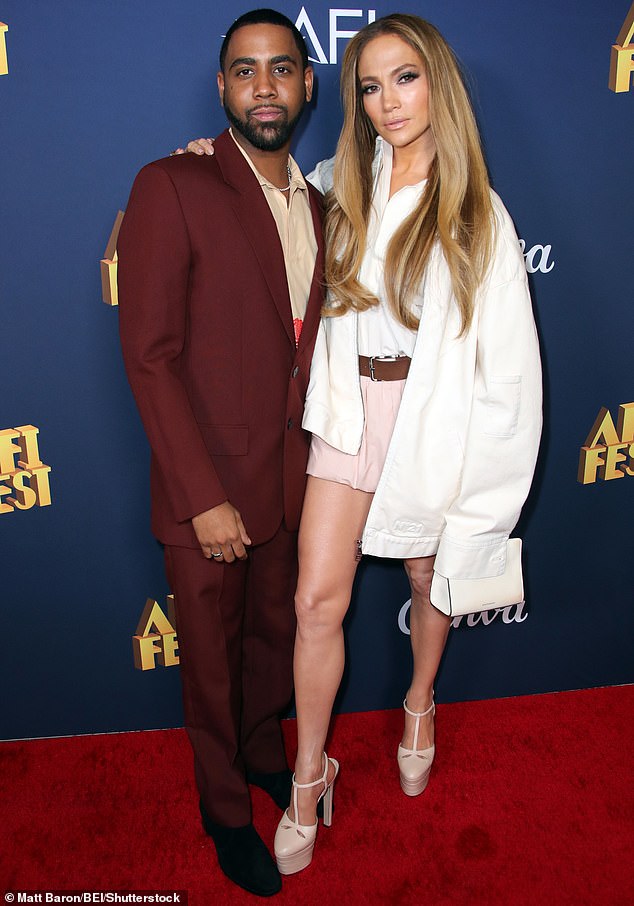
(92, 90)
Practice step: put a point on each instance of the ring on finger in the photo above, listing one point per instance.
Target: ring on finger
(217, 555)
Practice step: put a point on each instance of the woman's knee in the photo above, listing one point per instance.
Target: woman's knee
(317, 611)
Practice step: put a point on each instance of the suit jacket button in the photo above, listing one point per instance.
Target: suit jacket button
(295, 371)
(289, 424)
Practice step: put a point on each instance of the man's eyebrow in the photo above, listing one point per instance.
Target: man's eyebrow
(243, 61)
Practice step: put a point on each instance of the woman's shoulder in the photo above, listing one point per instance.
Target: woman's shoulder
(322, 176)
(500, 211)
(508, 261)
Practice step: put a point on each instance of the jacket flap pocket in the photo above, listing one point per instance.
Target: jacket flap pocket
(226, 440)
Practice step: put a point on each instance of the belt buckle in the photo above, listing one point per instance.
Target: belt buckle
(380, 358)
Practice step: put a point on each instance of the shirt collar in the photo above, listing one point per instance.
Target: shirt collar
(385, 154)
(297, 180)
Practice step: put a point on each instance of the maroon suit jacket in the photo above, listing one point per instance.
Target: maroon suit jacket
(208, 343)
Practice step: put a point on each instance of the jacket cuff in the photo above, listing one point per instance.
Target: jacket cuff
(478, 560)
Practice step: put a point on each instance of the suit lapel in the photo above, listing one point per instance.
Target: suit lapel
(315, 298)
(258, 223)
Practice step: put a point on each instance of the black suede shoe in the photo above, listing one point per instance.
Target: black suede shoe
(243, 857)
(279, 787)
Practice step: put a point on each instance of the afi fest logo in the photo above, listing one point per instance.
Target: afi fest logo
(156, 637)
(335, 31)
(608, 452)
(24, 482)
(622, 56)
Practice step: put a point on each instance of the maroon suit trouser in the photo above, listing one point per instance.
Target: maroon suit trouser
(236, 629)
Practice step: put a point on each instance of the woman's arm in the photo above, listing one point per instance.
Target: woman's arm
(505, 425)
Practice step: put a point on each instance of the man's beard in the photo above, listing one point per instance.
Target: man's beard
(264, 136)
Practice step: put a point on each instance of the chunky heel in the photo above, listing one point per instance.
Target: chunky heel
(295, 842)
(328, 797)
(415, 764)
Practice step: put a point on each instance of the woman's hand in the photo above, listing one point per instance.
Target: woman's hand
(197, 146)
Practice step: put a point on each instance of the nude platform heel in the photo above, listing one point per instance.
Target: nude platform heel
(294, 842)
(414, 764)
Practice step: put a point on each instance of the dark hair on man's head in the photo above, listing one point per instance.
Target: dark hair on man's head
(264, 17)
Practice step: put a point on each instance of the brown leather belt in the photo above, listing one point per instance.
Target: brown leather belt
(384, 367)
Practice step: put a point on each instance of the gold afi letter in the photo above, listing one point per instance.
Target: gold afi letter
(603, 430)
(625, 423)
(28, 477)
(156, 637)
(622, 56)
(4, 63)
(608, 445)
(109, 289)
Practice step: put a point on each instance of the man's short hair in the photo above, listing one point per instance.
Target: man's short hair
(264, 17)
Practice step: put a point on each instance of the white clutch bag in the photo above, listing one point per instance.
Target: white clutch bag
(455, 597)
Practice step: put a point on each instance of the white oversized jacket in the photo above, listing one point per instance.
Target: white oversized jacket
(463, 451)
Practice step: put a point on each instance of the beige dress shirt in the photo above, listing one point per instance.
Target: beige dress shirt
(297, 235)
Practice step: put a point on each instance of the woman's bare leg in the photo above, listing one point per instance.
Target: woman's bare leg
(429, 628)
(332, 520)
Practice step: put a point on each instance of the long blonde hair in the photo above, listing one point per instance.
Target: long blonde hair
(455, 208)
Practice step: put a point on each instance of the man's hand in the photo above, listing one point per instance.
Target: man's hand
(197, 146)
(221, 533)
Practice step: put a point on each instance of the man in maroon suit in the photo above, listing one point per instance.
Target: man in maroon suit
(220, 262)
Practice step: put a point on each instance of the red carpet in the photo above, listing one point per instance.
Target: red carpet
(530, 802)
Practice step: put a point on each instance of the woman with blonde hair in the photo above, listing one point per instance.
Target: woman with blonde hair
(425, 393)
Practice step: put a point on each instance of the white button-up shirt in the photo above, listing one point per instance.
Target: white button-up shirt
(379, 332)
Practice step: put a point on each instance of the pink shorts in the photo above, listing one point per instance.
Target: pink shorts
(362, 471)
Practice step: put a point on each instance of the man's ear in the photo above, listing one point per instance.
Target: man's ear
(308, 82)
(220, 79)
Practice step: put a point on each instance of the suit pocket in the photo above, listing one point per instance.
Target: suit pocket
(226, 440)
(503, 405)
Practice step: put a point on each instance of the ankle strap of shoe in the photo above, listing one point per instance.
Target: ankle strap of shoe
(304, 786)
(419, 713)
(322, 779)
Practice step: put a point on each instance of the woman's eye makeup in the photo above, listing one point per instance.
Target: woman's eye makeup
(402, 79)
